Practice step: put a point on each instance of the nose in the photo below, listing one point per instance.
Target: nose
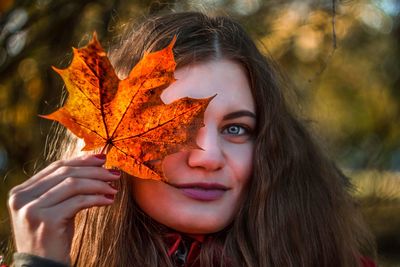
(211, 156)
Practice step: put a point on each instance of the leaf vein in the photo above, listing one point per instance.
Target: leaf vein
(158, 126)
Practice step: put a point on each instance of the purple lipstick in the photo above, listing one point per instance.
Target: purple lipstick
(202, 191)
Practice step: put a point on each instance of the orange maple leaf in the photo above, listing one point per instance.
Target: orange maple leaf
(127, 118)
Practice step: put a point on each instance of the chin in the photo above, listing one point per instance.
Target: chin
(196, 224)
(196, 229)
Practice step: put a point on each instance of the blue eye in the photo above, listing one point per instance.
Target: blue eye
(237, 133)
(235, 129)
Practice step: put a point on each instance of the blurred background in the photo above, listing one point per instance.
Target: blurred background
(342, 58)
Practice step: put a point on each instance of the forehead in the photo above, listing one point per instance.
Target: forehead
(225, 78)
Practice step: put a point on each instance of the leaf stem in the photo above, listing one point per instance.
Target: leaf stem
(105, 149)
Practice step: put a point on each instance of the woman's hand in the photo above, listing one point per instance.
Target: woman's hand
(43, 207)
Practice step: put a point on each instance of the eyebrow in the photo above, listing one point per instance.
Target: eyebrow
(238, 114)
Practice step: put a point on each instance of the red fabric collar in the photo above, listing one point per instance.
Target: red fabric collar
(191, 242)
(367, 262)
(194, 241)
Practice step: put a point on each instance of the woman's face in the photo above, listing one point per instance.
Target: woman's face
(205, 187)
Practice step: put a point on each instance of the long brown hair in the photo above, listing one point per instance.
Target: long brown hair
(298, 210)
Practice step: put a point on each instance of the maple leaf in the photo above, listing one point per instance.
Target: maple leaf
(127, 118)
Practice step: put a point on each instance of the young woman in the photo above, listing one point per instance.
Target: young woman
(259, 193)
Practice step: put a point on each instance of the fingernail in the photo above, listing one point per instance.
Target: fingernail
(109, 196)
(113, 186)
(115, 172)
(101, 156)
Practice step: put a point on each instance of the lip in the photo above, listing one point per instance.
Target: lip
(202, 191)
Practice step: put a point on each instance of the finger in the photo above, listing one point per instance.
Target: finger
(72, 206)
(64, 211)
(86, 160)
(96, 173)
(71, 187)
(35, 190)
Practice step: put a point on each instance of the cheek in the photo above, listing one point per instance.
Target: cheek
(175, 165)
(153, 197)
(240, 161)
